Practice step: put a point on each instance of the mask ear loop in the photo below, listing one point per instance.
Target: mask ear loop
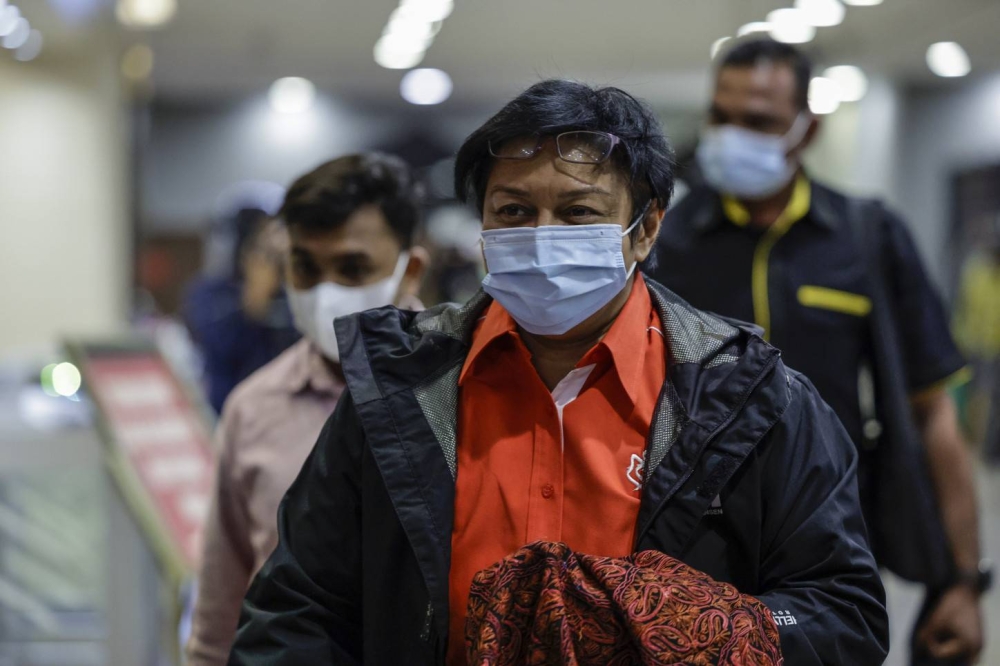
(639, 218)
(798, 131)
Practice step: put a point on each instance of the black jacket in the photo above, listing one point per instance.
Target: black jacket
(361, 570)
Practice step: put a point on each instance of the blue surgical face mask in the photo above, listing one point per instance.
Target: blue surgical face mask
(552, 278)
(748, 164)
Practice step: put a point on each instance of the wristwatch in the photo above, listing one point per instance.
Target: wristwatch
(979, 579)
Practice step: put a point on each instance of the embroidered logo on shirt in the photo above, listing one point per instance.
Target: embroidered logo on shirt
(634, 472)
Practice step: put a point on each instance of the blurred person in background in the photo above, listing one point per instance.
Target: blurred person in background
(573, 401)
(238, 316)
(837, 285)
(350, 226)
(977, 330)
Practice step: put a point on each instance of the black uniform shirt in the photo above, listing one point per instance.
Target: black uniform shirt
(803, 281)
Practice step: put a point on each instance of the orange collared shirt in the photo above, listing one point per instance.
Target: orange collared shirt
(564, 465)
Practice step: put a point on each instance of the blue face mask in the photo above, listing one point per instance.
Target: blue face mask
(550, 279)
(748, 164)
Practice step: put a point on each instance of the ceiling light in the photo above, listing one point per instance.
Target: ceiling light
(292, 95)
(66, 379)
(863, 3)
(409, 31)
(9, 17)
(428, 11)
(717, 46)
(17, 37)
(852, 81)
(145, 14)
(425, 86)
(756, 26)
(789, 26)
(31, 47)
(821, 13)
(948, 59)
(395, 54)
(137, 63)
(824, 95)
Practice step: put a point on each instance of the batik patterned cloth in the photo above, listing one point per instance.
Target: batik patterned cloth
(546, 605)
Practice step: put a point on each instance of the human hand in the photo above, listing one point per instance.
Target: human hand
(263, 265)
(955, 626)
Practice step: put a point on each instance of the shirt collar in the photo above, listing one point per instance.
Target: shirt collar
(311, 371)
(797, 208)
(627, 339)
(624, 343)
(807, 201)
(495, 324)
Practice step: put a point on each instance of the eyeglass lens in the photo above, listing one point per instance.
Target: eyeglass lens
(580, 147)
(584, 147)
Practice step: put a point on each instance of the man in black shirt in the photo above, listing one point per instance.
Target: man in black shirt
(763, 243)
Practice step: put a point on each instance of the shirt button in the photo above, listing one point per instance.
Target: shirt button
(548, 491)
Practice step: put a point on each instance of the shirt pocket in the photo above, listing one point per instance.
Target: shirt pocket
(834, 300)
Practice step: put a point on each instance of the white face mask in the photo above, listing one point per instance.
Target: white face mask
(748, 164)
(315, 309)
(550, 279)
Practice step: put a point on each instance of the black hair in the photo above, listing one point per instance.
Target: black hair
(325, 197)
(549, 107)
(758, 51)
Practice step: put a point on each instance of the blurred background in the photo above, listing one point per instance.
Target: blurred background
(143, 142)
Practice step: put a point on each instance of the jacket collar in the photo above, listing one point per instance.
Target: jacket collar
(694, 339)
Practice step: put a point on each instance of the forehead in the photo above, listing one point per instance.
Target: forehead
(366, 230)
(768, 87)
(547, 170)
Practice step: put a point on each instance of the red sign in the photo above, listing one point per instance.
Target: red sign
(163, 437)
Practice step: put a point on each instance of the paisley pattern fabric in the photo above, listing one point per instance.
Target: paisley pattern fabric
(546, 605)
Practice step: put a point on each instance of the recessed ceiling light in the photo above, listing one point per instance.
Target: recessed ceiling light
(852, 81)
(9, 16)
(824, 95)
(948, 59)
(863, 3)
(821, 13)
(789, 26)
(17, 37)
(291, 95)
(396, 54)
(145, 14)
(429, 11)
(425, 86)
(31, 47)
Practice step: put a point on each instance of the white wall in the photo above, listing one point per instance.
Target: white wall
(856, 150)
(64, 251)
(944, 131)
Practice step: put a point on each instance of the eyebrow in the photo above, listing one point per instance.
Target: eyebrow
(582, 191)
(355, 255)
(571, 194)
(505, 189)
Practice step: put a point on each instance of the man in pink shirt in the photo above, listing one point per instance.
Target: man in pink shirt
(350, 226)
